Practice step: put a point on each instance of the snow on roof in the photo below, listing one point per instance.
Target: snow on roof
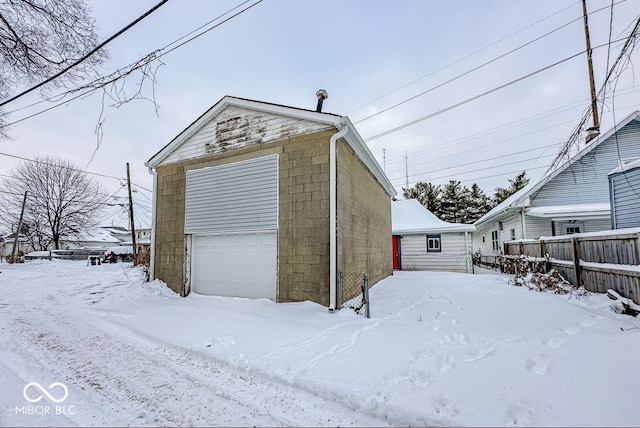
(411, 216)
(626, 166)
(507, 203)
(519, 198)
(98, 235)
(571, 210)
(617, 232)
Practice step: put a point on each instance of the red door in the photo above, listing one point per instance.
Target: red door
(395, 243)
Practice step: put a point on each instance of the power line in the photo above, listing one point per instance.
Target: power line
(486, 176)
(124, 71)
(120, 179)
(468, 100)
(462, 58)
(86, 56)
(489, 159)
(475, 68)
(510, 125)
(453, 79)
(60, 166)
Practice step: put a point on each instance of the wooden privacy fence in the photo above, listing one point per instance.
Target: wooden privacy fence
(597, 261)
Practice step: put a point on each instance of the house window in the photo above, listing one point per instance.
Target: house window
(483, 239)
(433, 244)
(512, 233)
(571, 228)
(494, 240)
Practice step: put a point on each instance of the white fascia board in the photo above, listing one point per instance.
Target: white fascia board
(628, 166)
(588, 148)
(358, 145)
(206, 117)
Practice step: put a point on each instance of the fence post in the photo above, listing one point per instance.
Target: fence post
(339, 284)
(542, 254)
(576, 261)
(367, 312)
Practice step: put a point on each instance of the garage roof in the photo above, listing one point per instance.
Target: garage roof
(410, 216)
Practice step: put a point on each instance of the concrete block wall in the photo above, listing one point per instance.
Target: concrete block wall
(303, 235)
(363, 219)
(169, 242)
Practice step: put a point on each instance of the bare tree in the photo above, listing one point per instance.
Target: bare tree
(39, 38)
(63, 202)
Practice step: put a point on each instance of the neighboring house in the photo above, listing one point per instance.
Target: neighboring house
(262, 200)
(624, 192)
(421, 241)
(119, 232)
(6, 245)
(573, 198)
(98, 238)
(143, 240)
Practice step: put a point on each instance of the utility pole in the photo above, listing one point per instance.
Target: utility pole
(406, 169)
(384, 160)
(594, 131)
(16, 237)
(133, 227)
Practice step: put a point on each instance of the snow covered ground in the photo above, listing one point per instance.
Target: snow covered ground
(440, 349)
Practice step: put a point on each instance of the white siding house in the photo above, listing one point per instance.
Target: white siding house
(573, 198)
(421, 241)
(624, 190)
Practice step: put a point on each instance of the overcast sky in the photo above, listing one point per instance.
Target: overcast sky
(369, 55)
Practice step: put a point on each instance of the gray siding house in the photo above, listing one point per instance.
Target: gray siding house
(624, 190)
(261, 200)
(573, 198)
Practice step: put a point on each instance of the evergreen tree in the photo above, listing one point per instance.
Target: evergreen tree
(451, 202)
(476, 203)
(426, 193)
(515, 184)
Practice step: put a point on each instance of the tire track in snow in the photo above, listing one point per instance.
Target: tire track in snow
(136, 381)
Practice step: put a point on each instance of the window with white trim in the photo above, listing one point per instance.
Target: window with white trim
(571, 228)
(494, 240)
(433, 244)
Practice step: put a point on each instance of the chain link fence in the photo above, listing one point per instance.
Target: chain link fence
(353, 292)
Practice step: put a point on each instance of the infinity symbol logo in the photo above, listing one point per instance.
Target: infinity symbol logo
(36, 385)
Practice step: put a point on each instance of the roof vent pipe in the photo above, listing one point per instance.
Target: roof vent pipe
(322, 95)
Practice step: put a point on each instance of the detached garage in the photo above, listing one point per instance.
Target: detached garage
(267, 201)
(421, 241)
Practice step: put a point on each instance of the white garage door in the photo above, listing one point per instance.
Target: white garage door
(235, 265)
(231, 211)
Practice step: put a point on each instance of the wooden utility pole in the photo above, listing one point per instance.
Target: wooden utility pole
(133, 227)
(16, 237)
(595, 130)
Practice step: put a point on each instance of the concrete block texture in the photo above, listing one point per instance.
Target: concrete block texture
(363, 219)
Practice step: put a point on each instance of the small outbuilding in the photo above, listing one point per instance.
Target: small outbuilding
(262, 200)
(421, 241)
